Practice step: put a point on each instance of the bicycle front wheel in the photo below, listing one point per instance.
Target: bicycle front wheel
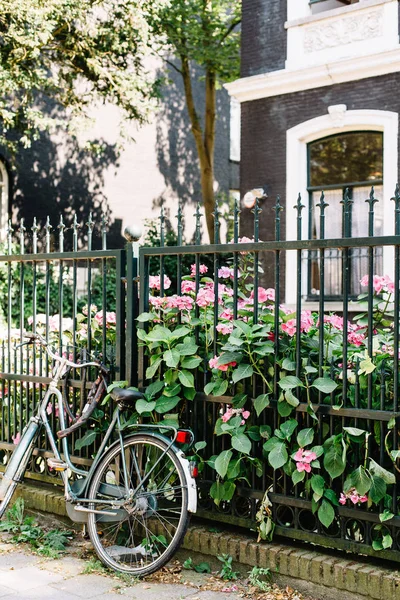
(143, 488)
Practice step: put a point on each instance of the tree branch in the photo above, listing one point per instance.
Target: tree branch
(171, 64)
(193, 116)
(229, 30)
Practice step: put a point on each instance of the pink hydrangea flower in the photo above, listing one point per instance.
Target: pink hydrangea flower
(157, 302)
(264, 294)
(227, 314)
(226, 273)
(188, 287)
(111, 318)
(379, 283)
(205, 297)
(202, 270)
(155, 282)
(289, 327)
(179, 302)
(225, 329)
(232, 412)
(306, 321)
(353, 496)
(357, 339)
(213, 364)
(303, 458)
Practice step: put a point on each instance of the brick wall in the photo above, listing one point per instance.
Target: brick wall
(263, 36)
(264, 126)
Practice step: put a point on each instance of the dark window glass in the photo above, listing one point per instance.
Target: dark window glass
(346, 158)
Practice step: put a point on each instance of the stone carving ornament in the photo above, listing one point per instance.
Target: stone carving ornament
(346, 30)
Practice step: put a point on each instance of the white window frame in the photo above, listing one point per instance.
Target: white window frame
(297, 139)
(4, 191)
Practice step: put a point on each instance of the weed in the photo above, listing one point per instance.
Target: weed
(25, 529)
(200, 568)
(255, 581)
(93, 565)
(227, 573)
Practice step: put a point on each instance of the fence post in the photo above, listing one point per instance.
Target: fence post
(132, 236)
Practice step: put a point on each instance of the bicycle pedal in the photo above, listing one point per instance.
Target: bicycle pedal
(56, 464)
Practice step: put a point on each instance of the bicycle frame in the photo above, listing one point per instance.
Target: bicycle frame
(19, 460)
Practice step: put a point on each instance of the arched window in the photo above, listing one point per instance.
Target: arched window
(352, 161)
(4, 187)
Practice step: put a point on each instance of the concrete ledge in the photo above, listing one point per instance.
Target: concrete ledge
(320, 574)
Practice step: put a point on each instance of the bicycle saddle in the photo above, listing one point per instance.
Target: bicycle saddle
(126, 399)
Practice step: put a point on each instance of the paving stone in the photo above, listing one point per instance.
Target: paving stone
(213, 596)
(44, 592)
(4, 591)
(85, 586)
(67, 566)
(157, 591)
(22, 580)
(16, 560)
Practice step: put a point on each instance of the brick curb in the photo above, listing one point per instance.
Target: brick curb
(322, 575)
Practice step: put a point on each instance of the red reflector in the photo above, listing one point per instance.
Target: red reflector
(194, 471)
(183, 437)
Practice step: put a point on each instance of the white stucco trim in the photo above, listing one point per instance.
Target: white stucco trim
(4, 188)
(288, 81)
(297, 139)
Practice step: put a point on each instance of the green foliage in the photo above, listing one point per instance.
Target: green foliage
(227, 573)
(202, 567)
(260, 578)
(75, 53)
(25, 529)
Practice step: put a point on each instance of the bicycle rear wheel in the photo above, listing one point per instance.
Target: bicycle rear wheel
(144, 529)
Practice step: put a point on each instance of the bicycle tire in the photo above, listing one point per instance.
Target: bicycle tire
(4, 503)
(147, 532)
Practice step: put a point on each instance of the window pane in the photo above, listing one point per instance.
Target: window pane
(346, 158)
(333, 229)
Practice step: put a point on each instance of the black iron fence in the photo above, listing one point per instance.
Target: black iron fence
(300, 341)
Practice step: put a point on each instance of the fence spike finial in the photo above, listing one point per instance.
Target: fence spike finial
(104, 223)
(48, 229)
(217, 223)
(236, 214)
(162, 226)
(198, 216)
(35, 229)
(322, 205)
(10, 232)
(256, 210)
(61, 227)
(347, 203)
(179, 217)
(21, 231)
(371, 214)
(75, 227)
(278, 209)
(90, 226)
(396, 200)
(299, 207)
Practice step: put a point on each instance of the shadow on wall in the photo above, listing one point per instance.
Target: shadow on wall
(57, 176)
(177, 157)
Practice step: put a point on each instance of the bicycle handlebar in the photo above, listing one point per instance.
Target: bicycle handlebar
(37, 337)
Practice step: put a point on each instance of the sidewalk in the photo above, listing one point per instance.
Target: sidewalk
(25, 576)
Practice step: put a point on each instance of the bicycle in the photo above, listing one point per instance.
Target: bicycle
(136, 497)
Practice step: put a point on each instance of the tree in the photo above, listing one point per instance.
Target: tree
(72, 53)
(203, 33)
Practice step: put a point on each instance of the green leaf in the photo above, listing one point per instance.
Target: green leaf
(318, 450)
(242, 372)
(239, 400)
(326, 513)
(180, 332)
(297, 477)
(387, 541)
(260, 403)
(360, 480)
(222, 491)
(165, 404)
(246, 329)
(330, 494)
(291, 398)
(220, 387)
(318, 484)
(288, 365)
(152, 370)
(265, 431)
(379, 471)
(228, 357)
(254, 433)
(377, 490)
(200, 446)
(233, 469)
(386, 515)
(288, 428)
(191, 362)
(202, 567)
(222, 462)
(333, 460)
(278, 456)
(142, 406)
(208, 389)
(172, 390)
(145, 317)
(186, 378)
(271, 443)
(86, 440)
(241, 443)
(159, 334)
(290, 382)
(188, 347)
(154, 388)
(324, 384)
(284, 409)
(171, 358)
(366, 366)
(354, 431)
(305, 437)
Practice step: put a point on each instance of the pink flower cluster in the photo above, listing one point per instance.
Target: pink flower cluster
(264, 294)
(188, 287)
(213, 364)
(355, 336)
(232, 412)
(379, 283)
(155, 282)
(353, 496)
(111, 318)
(306, 322)
(303, 458)
(179, 302)
(224, 328)
(202, 270)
